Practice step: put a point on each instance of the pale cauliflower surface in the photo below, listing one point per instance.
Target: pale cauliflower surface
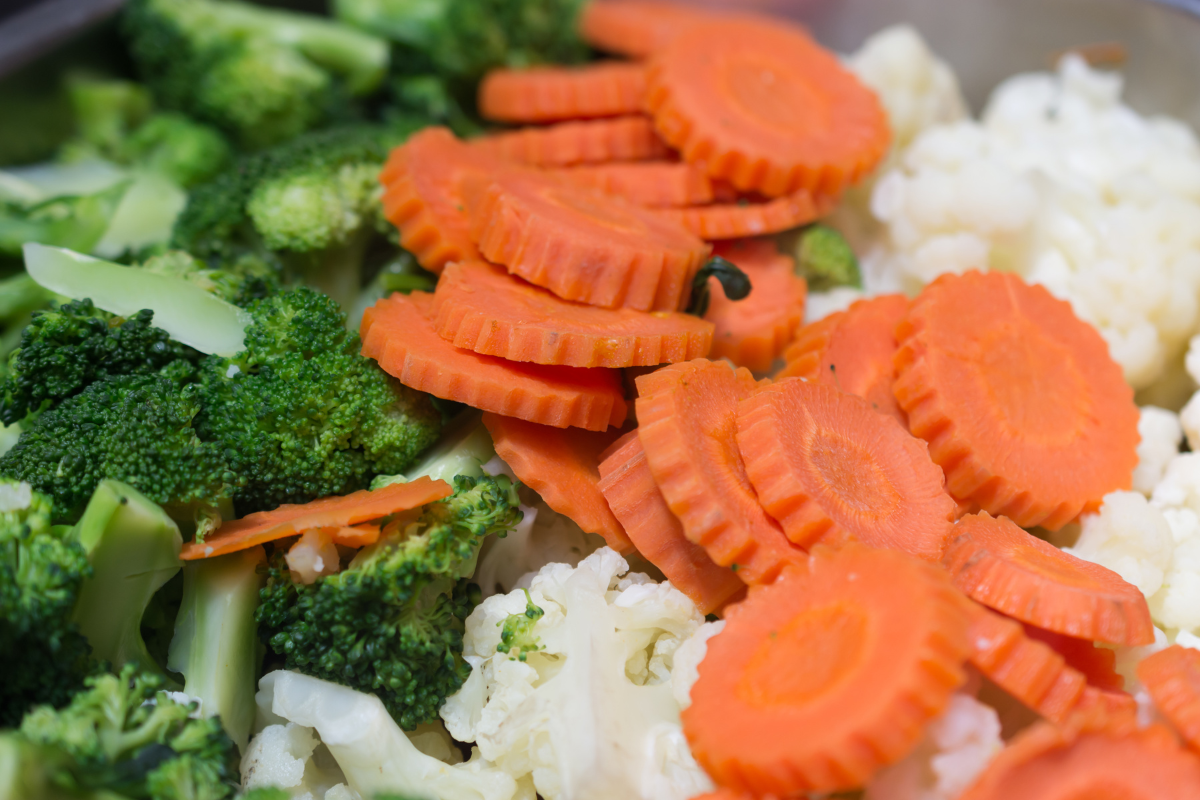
(593, 713)
(290, 757)
(1161, 434)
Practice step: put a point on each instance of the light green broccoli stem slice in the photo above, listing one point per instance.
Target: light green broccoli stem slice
(517, 639)
(463, 449)
(825, 259)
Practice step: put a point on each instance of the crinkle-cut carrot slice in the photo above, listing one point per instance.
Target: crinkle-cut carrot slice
(1172, 676)
(563, 467)
(1111, 707)
(551, 94)
(1094, 762)
(1018, 574)
(753, 332)
(853, 351)
(1098, 664)
(598, 141)
(633, 496)
(327, 512)
(635, 28)
(832, 470)
(480, 307)
(1018, 398)
(422, 196)
(397, 333)
(734, 220)
(1029, 670)
(823, 677)
(687, 422)
(581, 244)
(651, 184)
(765, 107)
(355, 535)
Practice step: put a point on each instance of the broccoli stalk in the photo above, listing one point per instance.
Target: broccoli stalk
(823, 257)
(77, 219)
(463, 449)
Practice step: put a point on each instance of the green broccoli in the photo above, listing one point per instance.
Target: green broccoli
(517, 639)
(75, 219)
(262, 75)
(121, 737)
(823, 257)
(391, 623)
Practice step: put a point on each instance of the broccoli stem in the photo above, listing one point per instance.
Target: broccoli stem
(464, 447)
(337, 270)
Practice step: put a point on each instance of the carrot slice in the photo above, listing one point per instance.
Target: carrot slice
(356, 535)
(823, 677)
(651, 184)
(732, 221)
(1112, 708)
(480, 307)
(598, 141)
(687, 415)
(852, 351)
(753, 332)
(397, 333)
(830, 469)
(765, 108)
(635, 28)
(1019, 399)
(423, 196)
(1098, 664)
(1007, 569)
(328, 512)
(1172, 676)
(633, 496)
(581, 244)
(549, 94)
(563, 467)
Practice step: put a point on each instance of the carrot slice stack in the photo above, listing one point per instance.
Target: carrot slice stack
(562, 466)
(1172, 676)
(581, 244)
(852, 351)
(1019, 399)
(397, 333)
(479, 307)
(687, 415)
(765, 107)
(633, 496)
(635, 28)
(754, 331)
(823, 677)
(651, 184)
(1098, 664)
(831, 469)
(1007, 569)
(550, 94)
(735, 220)
(597, 141)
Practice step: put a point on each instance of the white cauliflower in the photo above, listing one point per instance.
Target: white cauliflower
(592, 713)
(291, 757)
(1161, 435)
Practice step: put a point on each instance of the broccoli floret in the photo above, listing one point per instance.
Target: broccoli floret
(122, 737)
(517, 639)
(391, 623)
(262, 75)
(824, 258)
(247, 279)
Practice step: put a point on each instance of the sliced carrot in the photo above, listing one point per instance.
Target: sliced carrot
(581, 244)
(823, 677)
(687, 415)
(1007, 569)
(356, 535)
(651, 184)
(422, 196)
(480, 307)
(397, 333)
(633, 496)
(550, 94)
(734, 220)
(753, 332)
(1098, 664)
(1112, 708)
(1019, 399)
(832, 470)
(852, 351)
(563, 467)
(328, 512)
(597, 141)
(765, 107)
(636, 28)
(1172, 676)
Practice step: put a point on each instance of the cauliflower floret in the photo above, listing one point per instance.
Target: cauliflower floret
(591, 712)
(291, 757)
(687, 661)
(1130, 537)
(1161, 434)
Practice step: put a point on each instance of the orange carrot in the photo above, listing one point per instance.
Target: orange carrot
(1112, 708)
(1018, 398)
(773, 113)
(1007, 569)
(831, 469)
(1098, 664)
(581, 244)
(549, 94)
(651, 184)
(754, 331)
(328, 512)
(355, 536)
(598, 141)
(687, 416)
(852, 351)
(825, 676)
(397, 333)
(635, 28)
(739, 219)
(1172, 676)
(479, 307)
(563, 467)
(634, 498)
